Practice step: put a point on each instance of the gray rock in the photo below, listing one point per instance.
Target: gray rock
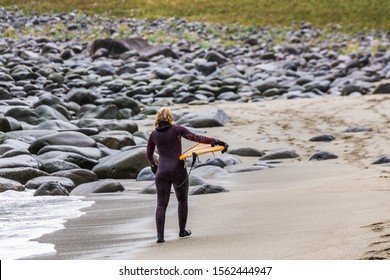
(51, 188)
(81, 96)
(151, 189)
(213, 161)
(207, 189)
(70, 138)
(9, 124)
(145, 174)
(209, 171)
(323, 155)
(357, 129)
(78, 176)
(280, 154)
(49, 113)
(103, 125)
(124, 165)
(247, 152)
(57, 125)
(88, 152)
(382, 160)
(24, 115)
(80, 160)
(10, 185)
(205, 119)
(322, 138)
(23, 160)
(382, 88)
(21, 174)
(115, 139)
(230, 159)
(196, 180)
(101, 186)
(102, 112)
(54, 165)
(38, 181)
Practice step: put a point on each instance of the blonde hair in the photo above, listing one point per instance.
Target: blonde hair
(164, 114)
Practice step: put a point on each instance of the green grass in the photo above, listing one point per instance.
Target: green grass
(352, 15)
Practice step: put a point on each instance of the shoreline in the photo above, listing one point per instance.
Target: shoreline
(301, 209)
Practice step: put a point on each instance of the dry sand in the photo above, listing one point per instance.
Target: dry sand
(334, 209)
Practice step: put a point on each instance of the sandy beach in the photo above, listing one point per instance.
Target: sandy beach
(333, 209)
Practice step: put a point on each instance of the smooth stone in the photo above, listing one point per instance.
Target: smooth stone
(80, 160)
(357, 129)
(101, 186)
(280, 154)
(54, 165)
(210, 118)
(103, 125)
(51, 188)
(10, 185)
(115, 139)
(230, 159)
(9, 124)
(38, 181)
(151, 189)
(24, 115)
(124, 165)
(322, 138)
(88, 152)
(382, 160)
(247, 152)
(57, 125)
(213, 161)
(81, 96)
(78, 176)
(21, 174)
(146, 174)
(209, 171)
(70, 138)
(23, 160)
(207, 189)
(323, 155)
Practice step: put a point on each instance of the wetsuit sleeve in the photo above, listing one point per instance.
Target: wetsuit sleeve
(184, 132)
(150, 148)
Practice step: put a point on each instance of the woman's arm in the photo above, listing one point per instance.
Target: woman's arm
(150, 149)
(184, 132)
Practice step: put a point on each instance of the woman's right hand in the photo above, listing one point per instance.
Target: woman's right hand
(154, 167)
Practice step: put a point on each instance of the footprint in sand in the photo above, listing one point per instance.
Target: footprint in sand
(379, 250)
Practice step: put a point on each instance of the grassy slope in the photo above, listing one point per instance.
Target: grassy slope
(351, 14)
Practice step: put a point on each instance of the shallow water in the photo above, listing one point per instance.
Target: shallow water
(24, 217)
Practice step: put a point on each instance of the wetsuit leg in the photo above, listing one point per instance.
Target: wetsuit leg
(182, 198)
(163, 194)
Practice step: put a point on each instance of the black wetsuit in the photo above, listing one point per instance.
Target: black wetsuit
(171, 170)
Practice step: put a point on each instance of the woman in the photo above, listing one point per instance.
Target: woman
(170, 170)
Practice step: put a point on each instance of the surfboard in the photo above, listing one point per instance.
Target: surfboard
(200, 149)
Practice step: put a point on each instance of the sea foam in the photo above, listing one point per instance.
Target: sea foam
(24, 217)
